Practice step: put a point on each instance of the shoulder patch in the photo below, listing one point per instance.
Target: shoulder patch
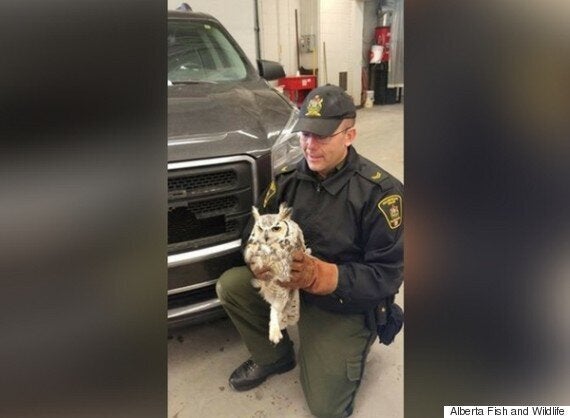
(391, 208)
(269, 193)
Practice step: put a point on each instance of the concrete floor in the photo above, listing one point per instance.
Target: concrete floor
(201, 357)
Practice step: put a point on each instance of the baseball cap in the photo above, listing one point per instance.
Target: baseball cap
(323, 110)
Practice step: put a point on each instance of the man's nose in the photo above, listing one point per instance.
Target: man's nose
(311, 141)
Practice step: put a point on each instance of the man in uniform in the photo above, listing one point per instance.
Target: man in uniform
(350, 211)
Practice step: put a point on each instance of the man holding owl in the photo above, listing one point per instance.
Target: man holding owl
(350, 212)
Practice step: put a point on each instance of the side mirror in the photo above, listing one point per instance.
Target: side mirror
(184, 7)
(270, 70)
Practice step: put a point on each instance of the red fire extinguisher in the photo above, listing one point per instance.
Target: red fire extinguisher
(382, 35)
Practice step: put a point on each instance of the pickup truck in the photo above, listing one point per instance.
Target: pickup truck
(229, 132)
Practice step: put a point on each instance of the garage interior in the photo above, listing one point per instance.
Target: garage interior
(355, 44)
(324, 41)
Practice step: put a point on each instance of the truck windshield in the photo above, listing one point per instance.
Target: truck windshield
(199, 52)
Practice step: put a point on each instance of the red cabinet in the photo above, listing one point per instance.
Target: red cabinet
(297, 87)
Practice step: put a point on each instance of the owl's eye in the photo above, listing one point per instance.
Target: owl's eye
(259, 227)
(276, 228)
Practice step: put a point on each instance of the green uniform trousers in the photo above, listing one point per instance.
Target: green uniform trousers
(333, 347)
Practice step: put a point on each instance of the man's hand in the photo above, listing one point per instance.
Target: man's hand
(312, 275)
(263, 273)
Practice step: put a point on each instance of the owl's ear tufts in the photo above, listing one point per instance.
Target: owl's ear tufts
(284, 211)
(255, 213)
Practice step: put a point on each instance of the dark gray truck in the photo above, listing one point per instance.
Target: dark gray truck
(228, 133)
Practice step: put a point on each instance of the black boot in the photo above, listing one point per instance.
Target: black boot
(250, 374)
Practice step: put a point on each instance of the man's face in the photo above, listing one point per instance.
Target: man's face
(323, 154)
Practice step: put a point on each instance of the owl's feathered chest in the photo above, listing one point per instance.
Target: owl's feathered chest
(276, 256)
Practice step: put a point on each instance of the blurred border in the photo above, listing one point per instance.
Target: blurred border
(83, 225)
(486, 148)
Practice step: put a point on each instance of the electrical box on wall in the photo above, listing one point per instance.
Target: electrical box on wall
(307, 43)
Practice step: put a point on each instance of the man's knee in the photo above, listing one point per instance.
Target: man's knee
(233, 281)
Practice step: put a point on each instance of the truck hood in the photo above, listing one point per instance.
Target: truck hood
(206, 120)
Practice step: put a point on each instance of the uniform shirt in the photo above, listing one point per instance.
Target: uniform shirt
(353, 219)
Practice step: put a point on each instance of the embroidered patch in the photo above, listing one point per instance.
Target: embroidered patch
(391, 208)
(314, 106)
(270, 193)
(376, 176)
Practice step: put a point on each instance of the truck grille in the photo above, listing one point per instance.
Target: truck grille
(208, 205)
(203, 182)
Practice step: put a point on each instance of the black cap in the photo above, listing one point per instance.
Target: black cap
(323, 109)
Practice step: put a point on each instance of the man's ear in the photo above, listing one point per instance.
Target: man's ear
(350, 136)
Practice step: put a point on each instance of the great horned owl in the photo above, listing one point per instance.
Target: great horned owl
(271, 244)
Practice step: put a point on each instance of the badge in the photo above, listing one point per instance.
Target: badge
(314, 106)
(391, 208)
(270, 193)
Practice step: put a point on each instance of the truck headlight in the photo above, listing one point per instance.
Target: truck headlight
(286, 152)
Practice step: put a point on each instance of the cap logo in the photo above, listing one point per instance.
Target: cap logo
(314, 106)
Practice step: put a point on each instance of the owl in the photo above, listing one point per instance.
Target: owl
(271, 244)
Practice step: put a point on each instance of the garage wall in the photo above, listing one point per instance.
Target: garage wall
(340, 26)
(338, 23)
(236, 15)
(309, 25)
(277, 32)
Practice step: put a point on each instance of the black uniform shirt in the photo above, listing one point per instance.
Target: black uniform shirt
(353, 219)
